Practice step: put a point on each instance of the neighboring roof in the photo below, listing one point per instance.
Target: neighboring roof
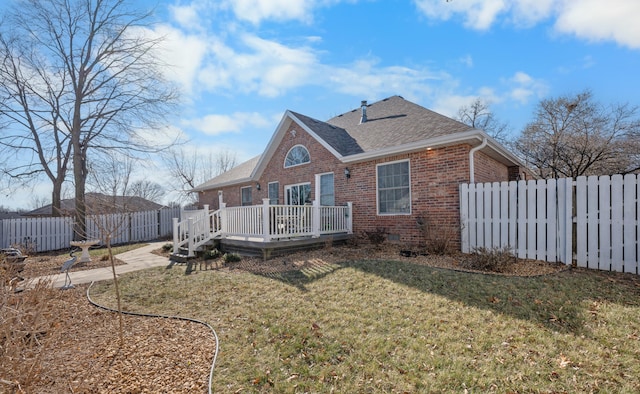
(100, 203)
(394, 125)
(238, 173)
(10, 215)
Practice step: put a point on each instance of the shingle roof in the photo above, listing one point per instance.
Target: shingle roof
(337, 137)
(241, 171)
(395, 121)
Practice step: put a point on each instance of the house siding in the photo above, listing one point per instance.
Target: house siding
(435, 178)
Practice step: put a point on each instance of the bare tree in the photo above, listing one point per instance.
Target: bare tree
(574, 135)
(189, 169)
(78, 76)
(479, 115)
(148, 190)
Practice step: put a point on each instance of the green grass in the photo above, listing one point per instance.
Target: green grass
(395, 327)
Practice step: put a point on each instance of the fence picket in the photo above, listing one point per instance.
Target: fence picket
(495, 209)
(604, 230)
(552, 220)
(630, 223)
(592, 223)
(616, 223)
(581, 221)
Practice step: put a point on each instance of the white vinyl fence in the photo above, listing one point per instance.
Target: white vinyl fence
(45, 234)
(592, 221)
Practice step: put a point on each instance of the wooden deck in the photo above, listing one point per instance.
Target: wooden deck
(268, 250)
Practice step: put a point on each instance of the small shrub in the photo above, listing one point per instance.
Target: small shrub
(211, 254)
(438, 239)
(490, 259)
(231, 258)
(376, 237)
(167, 247)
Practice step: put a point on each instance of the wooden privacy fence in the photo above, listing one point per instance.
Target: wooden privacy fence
(592, 221)
(48, 233)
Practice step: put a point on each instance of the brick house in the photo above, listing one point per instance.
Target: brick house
(397, 162)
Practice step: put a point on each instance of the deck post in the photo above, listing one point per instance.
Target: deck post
(266, 233)
(224, 227)
(350, 217)
(191, 237)
(175, 236)
(315, 219)
(206, 218)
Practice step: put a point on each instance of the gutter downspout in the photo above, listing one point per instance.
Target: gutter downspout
(471, 166)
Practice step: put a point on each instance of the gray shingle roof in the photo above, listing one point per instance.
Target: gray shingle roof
(241, 171)
(337, 137)
(395, 121)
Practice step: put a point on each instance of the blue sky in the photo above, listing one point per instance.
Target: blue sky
(240, 64)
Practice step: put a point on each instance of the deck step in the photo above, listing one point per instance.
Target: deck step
(180, 258)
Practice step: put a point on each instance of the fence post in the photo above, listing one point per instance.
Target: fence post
(350, 218)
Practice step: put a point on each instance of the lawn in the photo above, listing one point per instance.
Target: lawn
(399, 327)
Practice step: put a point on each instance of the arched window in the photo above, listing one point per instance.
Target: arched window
(296, 156)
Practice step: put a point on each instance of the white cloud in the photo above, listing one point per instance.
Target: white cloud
(595, 20)
(615, 20)
(181, 53)
(216, 124)
(256, 11)
(364, 78)
(522, 87)
(187, 16)
(477, 14)
(266, 67)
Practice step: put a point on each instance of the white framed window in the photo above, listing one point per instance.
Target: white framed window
(299, 194)
(296, 156)
(274, 193)
(245, 194)
(325, 189)
(393, 186)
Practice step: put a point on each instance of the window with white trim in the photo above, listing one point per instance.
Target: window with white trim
(394, 188)
(274, 193)
(327, 192)
(245, 192)
(296, 156)
(299, 194)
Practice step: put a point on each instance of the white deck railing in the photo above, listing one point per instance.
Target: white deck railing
(260, 223)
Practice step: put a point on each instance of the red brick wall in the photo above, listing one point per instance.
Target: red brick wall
(435, 178)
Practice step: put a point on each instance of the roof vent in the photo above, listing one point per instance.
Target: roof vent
(363, 105)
